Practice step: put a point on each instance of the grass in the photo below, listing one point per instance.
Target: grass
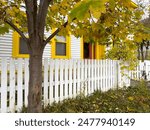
(123, 100)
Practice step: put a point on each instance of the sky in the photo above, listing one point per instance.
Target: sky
(146, 3)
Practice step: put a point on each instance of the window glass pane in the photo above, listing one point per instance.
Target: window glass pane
(23, 49)
(60, 38)
(60, 48)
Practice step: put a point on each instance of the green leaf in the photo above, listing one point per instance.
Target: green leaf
(4, 29)
(96, 7)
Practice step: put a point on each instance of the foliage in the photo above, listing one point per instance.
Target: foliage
(118, 26)
(144, 32)
(85, 7)
(15, 12)
(131, 99)
(108, 22)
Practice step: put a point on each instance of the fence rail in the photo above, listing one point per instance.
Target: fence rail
(61, 79)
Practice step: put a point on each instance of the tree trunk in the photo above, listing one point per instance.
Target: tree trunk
(147, 51)
(35, 81)
(139, 55)
(142, 52)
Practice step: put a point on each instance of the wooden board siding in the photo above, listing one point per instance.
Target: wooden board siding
(6, 45)
(75, 48)
(47, 51)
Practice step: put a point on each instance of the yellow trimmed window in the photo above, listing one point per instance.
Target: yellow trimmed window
(20, 49)
(61, 47)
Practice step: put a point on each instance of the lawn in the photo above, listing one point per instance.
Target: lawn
(123, 100)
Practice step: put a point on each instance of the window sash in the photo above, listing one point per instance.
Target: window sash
(61, 49)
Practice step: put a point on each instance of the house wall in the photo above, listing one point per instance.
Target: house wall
(47, 51)
(75, 48)
(6, 46)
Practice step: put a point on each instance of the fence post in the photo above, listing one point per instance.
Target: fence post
(56, 67)
(115, 74)
(86, 76)
(26, 78)
(12, 85)
(19, 83)
(105, 75)
(61, 80)
(66, 79)
(51, 82)
(70, 78)
(74, 77)
(92, 76)
(78, 76)
(4, 85)
(45, 92)
(119, 82)
(82, 82)
(98, 75)
(102, 75)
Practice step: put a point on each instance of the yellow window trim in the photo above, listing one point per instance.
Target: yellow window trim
(81, 48)
(15, 47)
(97, 51)
(102, 49)
(68, 48)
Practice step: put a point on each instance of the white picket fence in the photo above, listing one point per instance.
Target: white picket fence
(61, 79)
(144, 67)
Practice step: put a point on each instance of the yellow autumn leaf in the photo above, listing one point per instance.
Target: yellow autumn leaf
(130, 98)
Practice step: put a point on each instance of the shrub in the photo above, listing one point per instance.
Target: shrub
(122, 100)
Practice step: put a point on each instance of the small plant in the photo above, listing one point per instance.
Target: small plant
(131, 99)
(122, 100)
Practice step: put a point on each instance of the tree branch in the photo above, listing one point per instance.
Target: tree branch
(17, 29)
(55, 33)
(42, 13)
(29, 13)
(35, 14)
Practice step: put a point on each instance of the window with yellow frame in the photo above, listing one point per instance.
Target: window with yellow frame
(61, 47)
(20, 49)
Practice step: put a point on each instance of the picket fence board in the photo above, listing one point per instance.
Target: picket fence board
(51, 87)
(26, 80)
(19, 83)
(4, 85)
(74, 78)
(85, 86)
(45, 95)
(70, 79)
(12, 85)
(61, 80)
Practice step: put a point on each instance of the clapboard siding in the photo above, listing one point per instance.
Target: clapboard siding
(47, 51)
(75, 47)
(6, 45)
